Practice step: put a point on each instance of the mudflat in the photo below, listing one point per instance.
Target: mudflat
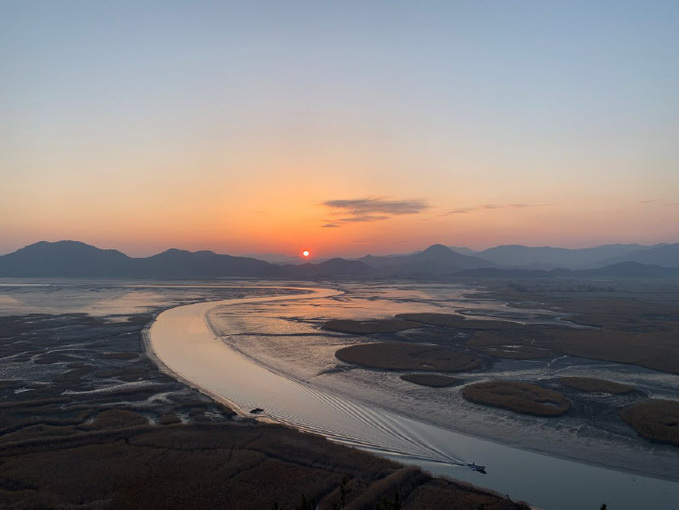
(79, 397)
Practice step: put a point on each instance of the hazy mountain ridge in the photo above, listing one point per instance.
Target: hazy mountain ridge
(65, 258)
(619, 270)
(547, 257)
(434, 261)
(332, 267)
(76, 259)
(660, 255)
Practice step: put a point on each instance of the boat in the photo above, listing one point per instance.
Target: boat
(477, 468)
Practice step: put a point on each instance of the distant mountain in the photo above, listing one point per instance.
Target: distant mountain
(332, 267)
(275, 258)
(437, 260)
(661, 255)
(186, 264)
(497, 272)
(634, 270)
(462, 250)
(76, 259)
(72, 258)
(620, 270)
(65, 258)
(528, 257)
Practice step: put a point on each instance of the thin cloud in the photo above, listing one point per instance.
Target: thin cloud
(485, 207)
(370, 209)
(330, 225)
(370, 205)
(364, 218)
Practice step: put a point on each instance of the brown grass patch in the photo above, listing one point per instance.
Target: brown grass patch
(408, 356)
(117, 419)
(369, 326)
(457, 321)
(657, 420)
(639, 323)
(432, 380)
(232, 466)
(518, 397)
(591, 384)
(659, 351)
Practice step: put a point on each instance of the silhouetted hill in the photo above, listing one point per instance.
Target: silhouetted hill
(496, 272)
(437, 260)
(620, 270)
(76, 259)
(634, 270)
(661, 255)
(463, 251)
(332, 267)
(186, 264)
(65, 258)
(72, 258)
(546, 257)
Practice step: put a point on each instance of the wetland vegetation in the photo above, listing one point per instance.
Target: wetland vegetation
(518, 397)
(408, 356)
(433, 380)
(593, 385)
(655, 419)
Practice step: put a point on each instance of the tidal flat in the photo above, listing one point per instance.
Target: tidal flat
(81, 398)
(290, 339)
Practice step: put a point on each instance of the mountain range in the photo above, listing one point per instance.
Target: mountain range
(76, 259)
(528, 257)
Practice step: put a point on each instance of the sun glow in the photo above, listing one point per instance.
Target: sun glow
(306, 253)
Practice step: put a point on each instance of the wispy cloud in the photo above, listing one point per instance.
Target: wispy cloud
(363, 210)
(365, 218)
(485, 207)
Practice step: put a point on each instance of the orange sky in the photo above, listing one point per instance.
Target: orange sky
(201, 127)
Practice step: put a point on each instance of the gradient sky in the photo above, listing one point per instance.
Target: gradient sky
(342, 127)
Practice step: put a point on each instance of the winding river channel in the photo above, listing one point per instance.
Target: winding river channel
(183, 342)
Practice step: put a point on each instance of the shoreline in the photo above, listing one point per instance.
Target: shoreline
(153, 355)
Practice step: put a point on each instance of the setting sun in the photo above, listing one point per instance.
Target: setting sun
(306, 253)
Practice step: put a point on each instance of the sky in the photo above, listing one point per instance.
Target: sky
(341, 127)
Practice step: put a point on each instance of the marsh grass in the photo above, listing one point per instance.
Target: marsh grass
(657, 420)
(592, 385)
(235, 466)
(457, 321)
(408, 356)
(432, 380)
(365, 327)
(519, 397)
